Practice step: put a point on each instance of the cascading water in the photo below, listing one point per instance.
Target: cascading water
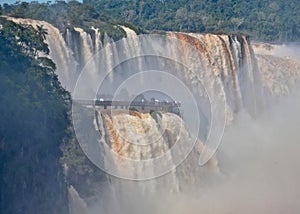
(76, 204)
(231, 57)
(228, 58)
(60, 53)
(283, 61)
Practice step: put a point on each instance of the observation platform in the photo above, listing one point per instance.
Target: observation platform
(141, 106)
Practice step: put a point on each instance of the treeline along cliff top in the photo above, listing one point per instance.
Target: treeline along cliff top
(263, 20)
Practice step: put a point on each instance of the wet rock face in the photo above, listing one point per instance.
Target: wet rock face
(279, 66)
(143, 137)
(247, 78)
(248, 72)
(229, 57)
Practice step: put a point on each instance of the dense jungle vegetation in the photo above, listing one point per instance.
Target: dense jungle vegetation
(67, 15)
(34, 123)
(36, 137)
(263, 20)
(35, 133)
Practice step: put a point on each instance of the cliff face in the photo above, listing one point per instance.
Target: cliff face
(148, 145)
(279, 66)
(229, 57)
(212, 67)
(247, 72)
(32, 129)
(219, 70)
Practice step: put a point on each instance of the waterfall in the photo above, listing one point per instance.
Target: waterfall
(86, 48)
(279, 66)
(76, 204)
(60, 53)
(230, 57)
(244, 79)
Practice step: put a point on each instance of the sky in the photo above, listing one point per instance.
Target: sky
(13, 1)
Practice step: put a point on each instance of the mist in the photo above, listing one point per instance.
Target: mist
(259, 173)
(259, 159)
(259, 162)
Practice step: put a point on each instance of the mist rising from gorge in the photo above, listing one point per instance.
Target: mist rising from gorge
(257, 161)
(259, 172)
(259, 169)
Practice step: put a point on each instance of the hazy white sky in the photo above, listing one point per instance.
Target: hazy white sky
(13, 1)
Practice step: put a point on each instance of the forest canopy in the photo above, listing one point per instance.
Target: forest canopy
(263, 20)
(34, 123)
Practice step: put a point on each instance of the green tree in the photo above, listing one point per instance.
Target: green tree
(34, 114)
